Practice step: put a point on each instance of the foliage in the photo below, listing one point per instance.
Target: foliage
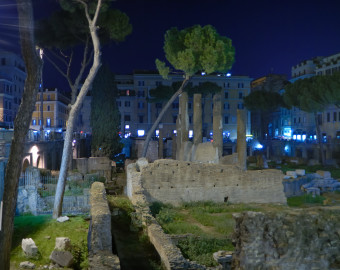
(38, 227)
(198, 48)
(201, 249)
(80, 255)
(263, 101)
(105, 116)
(55, 31)
(121, 202)
(301, 201)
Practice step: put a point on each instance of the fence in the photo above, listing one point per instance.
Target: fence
(36, 194)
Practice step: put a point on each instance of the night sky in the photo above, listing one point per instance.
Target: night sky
(269, 36)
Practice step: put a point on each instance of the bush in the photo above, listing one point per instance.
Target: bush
(201, 249)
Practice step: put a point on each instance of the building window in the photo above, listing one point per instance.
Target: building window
(48, 122)
(226, 106)
(34, 122)
(334, 116)
(240, 95)
(226, 119)
(140, 93)
(189, 105)
(240, 85)
(174, 119)
(10, 105)
(127, 103)
(140, 83)
(140, 105)
(48, 108)
(48, 97)
(119, 103)
(141, 118)
(240, 106)
(127, 118)
(328, 117)
(190, 119)
(226, 85)
(6, 104)
(226, 95)
(175, 105)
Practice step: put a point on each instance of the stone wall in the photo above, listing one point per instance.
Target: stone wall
(100, 236)
(300, 239)
(170, 255)
(172, 181)
(101, 165)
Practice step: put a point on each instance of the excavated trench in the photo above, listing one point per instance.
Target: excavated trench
(131, 245)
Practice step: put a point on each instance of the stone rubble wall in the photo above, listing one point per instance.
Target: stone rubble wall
(294, 239)
(172, 181)
(100, 236)
(170, 255)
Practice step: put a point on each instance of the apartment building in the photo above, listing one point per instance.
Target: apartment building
(299, 125)
(12, 80)
(51, 110)
(138, 115)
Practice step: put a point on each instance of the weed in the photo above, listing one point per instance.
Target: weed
(201, 249)
(300, 201)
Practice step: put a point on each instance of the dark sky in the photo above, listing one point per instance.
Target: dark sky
(269, 36)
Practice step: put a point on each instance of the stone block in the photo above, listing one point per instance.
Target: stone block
(27, 265)
(324, 174)
(300, 172)
(29, 247)
(63, 219)
(63, 258)
(224, 258)
(292, 174)
(141, 163)
(62, 243)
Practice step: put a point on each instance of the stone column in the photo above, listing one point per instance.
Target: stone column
(184, 117)
(178, 138)
(197, 118)
(173, 146)
(217, 124)
(241, 139)
(160, 144)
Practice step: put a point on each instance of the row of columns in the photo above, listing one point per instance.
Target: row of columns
(182, 126)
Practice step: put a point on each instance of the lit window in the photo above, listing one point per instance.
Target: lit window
(140, 132)
(127, 126)
(191, 133)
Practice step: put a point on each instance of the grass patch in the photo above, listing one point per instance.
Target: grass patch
(201, 249)
(121, 202)
(304, 200)
(39, 228)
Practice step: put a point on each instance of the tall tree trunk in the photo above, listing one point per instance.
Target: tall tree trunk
(22, 121)
(318, 134)
(58, 201)
(161, 114)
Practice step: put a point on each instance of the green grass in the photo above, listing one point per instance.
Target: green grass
(40, 227)
(305, 200)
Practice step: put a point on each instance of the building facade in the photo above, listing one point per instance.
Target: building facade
(51, 110)
(299, 125)
(138, 115)
(12, 81)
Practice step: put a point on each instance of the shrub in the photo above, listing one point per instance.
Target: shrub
(299, 201)
(201, 249)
